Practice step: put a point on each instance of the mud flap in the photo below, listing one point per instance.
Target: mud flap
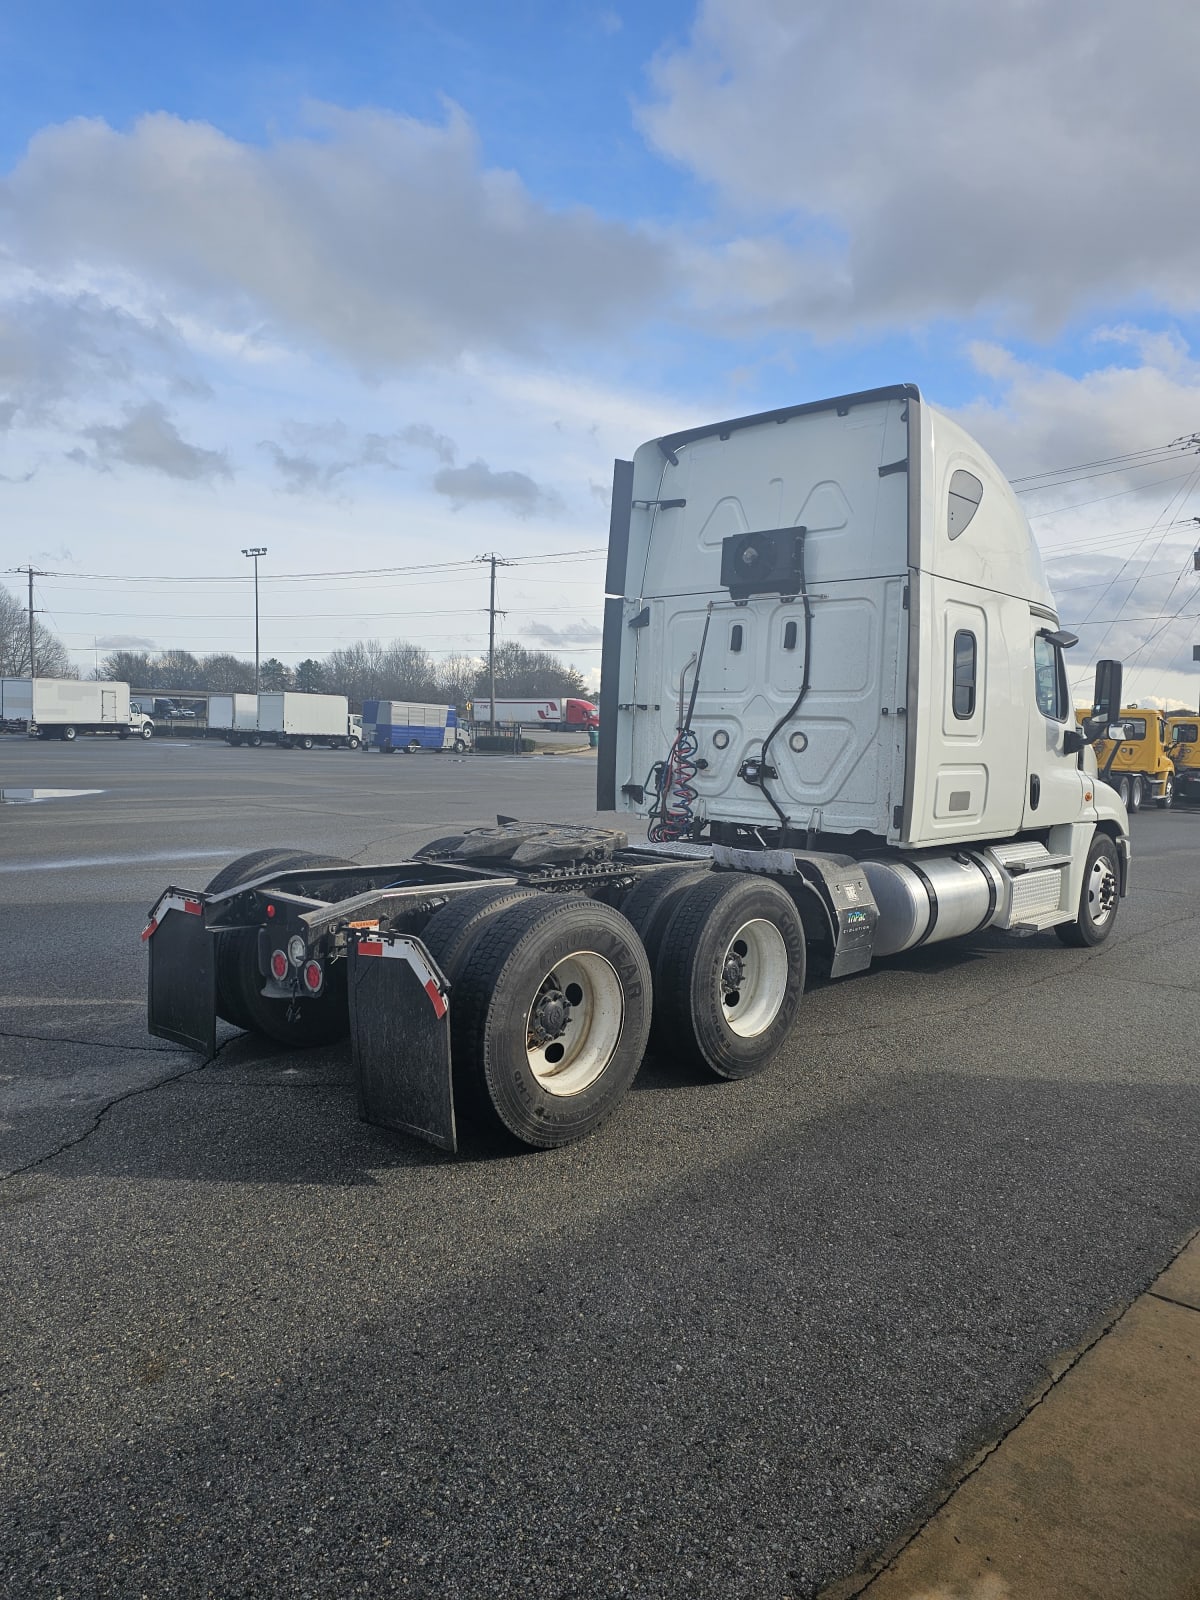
(182, 989)
(400, 1029)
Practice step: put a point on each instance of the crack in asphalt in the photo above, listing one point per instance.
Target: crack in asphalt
(95, 1044)
(130, 1094)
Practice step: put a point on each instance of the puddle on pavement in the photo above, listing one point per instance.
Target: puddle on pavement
(29, 797)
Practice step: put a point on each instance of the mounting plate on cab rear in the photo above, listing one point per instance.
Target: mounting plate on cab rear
(769, 562)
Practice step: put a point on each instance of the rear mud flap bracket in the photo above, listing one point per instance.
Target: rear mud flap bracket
(400, 1030)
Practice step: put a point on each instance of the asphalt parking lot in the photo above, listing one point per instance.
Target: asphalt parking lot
(741, 1338)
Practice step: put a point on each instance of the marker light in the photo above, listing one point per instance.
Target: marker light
(279, 965)
(313, 977)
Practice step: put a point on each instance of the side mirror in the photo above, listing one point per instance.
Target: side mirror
(1106, 697)
(1074, 740)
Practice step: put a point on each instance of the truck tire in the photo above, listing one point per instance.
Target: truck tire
(68, 733)
(306, 743)
(1099, 899)
(460, 747)
(147, 730)
(551, 1015)
(237, 948)
(1167, 798)
(450, 932)
(1124, 790)
(649, 906)
(352, 743)
(731, 972)
(255, 741)
(1137, 792)
(412, 747)
(122, 733)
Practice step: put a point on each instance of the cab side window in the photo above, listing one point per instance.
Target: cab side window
(1050, 678)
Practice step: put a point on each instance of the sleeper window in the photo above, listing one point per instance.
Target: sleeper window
(964, 674)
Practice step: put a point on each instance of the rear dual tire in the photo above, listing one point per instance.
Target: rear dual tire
(550, 1009)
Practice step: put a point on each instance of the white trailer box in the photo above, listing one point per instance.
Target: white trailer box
(63, 707)
(232, 713)
(286, 718)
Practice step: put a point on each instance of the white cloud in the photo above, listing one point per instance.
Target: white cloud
(378, 237)
(930, 160)
(148, 438)
(514, 490)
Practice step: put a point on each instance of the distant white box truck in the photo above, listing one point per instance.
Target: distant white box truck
(233, 717)
(287, 719)
(62, 708)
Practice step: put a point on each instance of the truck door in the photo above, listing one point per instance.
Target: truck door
(1054, 784)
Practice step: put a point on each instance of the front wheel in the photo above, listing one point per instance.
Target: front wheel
(1099, 899)
(1167, 798)
(306, 744)
(353, 743)
(551, 1013)
(730, 973)
(147, 730)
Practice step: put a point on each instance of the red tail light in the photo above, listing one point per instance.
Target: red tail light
(314, 977)
(279, 965)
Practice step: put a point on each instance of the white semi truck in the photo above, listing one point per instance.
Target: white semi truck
(834, 686)
(63, 708)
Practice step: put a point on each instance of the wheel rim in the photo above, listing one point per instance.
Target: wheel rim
(1101, 891)
(574, 1024)
(753, 978)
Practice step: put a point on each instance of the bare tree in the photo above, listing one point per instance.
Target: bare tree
(522, 672)
(52, 658)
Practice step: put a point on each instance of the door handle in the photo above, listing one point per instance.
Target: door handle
(1035, 791)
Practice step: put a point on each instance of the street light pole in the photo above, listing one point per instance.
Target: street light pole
(258, 550)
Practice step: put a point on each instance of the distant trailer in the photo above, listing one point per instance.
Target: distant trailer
(291, 720)
(233, 717)
(391, 726)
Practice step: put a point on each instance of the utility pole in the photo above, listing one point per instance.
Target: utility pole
(496, 561)
(254, 553)
(31, 573)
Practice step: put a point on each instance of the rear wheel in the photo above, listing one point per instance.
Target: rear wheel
(237, 962)
(306, 744)
(255, 741)
(1124, 789)
(551, 1015)
(1137, 792)
(122, 733)
(1167, 799)
(731, 972)
(68, 733)
(413, 746)
(1099, 899)
(649, 906)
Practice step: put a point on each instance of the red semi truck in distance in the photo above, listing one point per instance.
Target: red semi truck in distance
(550, 712)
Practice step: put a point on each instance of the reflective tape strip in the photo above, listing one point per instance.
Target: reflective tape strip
(172, 902)
(403, 949)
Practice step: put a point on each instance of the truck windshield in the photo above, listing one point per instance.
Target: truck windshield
(1183, 733)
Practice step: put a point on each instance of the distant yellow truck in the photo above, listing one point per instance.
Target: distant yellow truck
(1183, 745)
(1140, 768)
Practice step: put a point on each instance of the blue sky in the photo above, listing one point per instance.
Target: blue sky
(397, 282)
